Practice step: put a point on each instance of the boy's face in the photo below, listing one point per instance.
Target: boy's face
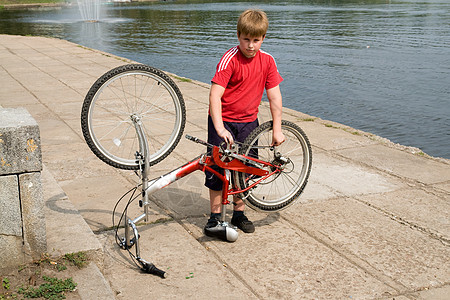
(249, 45)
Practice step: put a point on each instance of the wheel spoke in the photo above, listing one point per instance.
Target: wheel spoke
(126, 91)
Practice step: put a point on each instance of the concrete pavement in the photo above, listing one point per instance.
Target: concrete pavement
(373, 222)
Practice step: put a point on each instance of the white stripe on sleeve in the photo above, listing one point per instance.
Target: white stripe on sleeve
(227, 58)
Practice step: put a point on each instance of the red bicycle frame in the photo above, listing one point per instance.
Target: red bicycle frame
(227, 161)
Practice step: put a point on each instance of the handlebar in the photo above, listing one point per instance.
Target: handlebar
(225, 148)
(197, 140)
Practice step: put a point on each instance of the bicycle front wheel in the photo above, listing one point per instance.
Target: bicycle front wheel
(295, 158)
(128, 92)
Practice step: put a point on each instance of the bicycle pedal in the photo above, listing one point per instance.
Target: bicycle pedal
(224, 232)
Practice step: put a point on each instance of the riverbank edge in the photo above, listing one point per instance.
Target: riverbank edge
(25, 6)
(44, 5)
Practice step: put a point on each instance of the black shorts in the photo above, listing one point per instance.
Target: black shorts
(239, 131)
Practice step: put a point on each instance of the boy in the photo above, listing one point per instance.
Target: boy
(236, 91)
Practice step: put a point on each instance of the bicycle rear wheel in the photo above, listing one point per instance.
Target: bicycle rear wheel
(283, 189)
(128, 91)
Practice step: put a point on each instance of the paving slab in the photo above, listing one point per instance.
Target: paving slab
(91, 284)
(440, 293)
(406, 255)
(444, 186)
(95, 197)
(67, 230)
(398, 162)
(19, 98)
(193, 272)
(348, 177)
(185, 197)
(424, 210)
(333, 138)
(55, 132)
(301, 269)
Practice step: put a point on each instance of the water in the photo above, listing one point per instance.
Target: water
(377, 65)
(89, 10)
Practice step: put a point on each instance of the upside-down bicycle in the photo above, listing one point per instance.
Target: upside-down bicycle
(134, 116)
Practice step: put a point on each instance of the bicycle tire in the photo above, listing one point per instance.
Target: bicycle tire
(281, 190)
(132, 89)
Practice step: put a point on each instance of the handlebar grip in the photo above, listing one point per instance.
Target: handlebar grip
(152, 269)
(197, 140)
(190, 137)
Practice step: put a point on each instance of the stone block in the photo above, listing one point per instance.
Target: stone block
(32, 200)
(11, 251)
(20, 146)
(10, 215)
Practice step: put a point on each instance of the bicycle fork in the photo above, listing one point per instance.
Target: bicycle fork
(130, 225)
(144, 162)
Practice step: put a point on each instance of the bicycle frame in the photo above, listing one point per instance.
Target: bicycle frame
(204, 163)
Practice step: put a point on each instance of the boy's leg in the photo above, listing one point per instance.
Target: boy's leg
(239, 219)
(215, 199)
(240, 131)
(239, 205)
(213, 183)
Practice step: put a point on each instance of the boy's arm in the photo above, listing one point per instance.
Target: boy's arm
(215, 110)
(276, 103)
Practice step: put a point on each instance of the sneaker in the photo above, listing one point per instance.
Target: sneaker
(243, 223)
(212, 223)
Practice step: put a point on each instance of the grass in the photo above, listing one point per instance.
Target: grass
(9, 2)
(52, 288)
(345, 129)
(309, 120)
(5, 283)
(78, 259)
(42, 278)
(182, 79)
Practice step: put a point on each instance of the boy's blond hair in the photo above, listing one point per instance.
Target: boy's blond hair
(253, 22)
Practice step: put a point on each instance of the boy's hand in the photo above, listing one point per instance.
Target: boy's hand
(226, 135)
(277, 138)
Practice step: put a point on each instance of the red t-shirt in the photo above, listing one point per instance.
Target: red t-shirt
(244, 80)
